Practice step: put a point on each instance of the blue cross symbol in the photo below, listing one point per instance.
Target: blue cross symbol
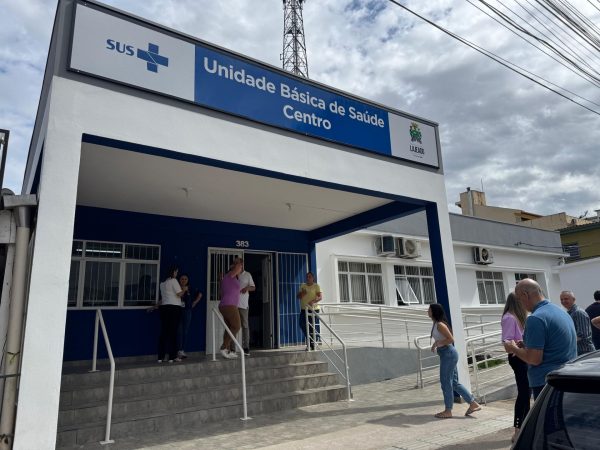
(152, 58)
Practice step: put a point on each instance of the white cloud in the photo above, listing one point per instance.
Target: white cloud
(533, 150)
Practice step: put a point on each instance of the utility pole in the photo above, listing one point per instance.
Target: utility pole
(294, 47)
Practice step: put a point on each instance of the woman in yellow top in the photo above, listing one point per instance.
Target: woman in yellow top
(310, 295)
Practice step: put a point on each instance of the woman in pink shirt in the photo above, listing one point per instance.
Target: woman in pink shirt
(513, 323)
(228, 306)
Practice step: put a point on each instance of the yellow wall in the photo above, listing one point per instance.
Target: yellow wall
(588, 241)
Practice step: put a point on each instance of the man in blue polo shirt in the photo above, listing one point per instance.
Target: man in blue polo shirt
(549, 339)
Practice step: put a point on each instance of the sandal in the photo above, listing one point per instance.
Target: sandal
(471, 410)
(443, 415)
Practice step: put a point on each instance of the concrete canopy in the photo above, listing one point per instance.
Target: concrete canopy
(170, 184)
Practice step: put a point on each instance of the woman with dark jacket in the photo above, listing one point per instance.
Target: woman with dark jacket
(513, 323)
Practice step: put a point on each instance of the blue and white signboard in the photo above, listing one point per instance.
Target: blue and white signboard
(117, 49)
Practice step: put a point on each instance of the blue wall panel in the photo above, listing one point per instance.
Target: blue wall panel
(292, 270)
(183, 242)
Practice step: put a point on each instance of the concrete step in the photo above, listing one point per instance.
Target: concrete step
(78, 377)
(152, 397)
(178, 418)
(167, 400)
(174, 380)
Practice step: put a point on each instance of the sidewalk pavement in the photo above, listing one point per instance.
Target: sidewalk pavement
(386, 415)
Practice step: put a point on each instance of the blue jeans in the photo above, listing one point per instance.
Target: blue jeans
(449, 376)
(184, 328)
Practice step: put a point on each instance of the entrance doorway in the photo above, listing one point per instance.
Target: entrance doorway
(261, 312)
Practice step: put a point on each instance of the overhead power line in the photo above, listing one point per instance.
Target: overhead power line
(597, 84)
(509, 65)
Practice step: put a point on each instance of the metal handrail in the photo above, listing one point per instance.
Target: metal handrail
(420, 369)
(111, 386)
(474, 352)
(377, 316)
(217, 314)
(470, 343)
(311, 336)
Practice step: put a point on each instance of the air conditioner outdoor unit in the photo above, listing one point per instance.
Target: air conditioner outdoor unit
(408, 248)
(385, 245)
(483, 255)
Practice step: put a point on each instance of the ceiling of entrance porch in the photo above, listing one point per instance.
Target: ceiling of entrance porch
(130, 181)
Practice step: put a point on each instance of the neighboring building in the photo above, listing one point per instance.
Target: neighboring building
(580, 274)
(582, 241)
(579, 239)
(490, 257)
(473, 203)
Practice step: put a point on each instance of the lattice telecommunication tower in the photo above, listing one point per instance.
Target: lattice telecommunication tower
(294, 47)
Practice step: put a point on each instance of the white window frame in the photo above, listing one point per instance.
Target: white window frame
(366, 277)
(420, 301)
(123, 261)
(532, 275)
(500, 281)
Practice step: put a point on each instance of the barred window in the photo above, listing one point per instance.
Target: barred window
(490, 286)
(522, 276)
(572, 249)
(361, 282)
(113, 274)
(414, 285)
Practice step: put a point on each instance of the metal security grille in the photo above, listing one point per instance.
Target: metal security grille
(291, 273)
(219, 262)
(113, 274)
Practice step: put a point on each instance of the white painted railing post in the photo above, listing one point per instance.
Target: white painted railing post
(95, 350)
(111, 387)
(419, 369)
(242, 357)
(214, 345)
(307, 329)
(381, 325)
(475, 368)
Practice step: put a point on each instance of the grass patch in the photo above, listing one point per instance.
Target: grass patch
(490, 363)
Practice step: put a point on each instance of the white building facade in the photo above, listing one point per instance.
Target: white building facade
(490, 257)
(152, 148)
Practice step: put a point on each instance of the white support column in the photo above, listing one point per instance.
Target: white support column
(39, 391)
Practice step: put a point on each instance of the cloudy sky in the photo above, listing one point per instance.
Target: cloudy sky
(530, 148)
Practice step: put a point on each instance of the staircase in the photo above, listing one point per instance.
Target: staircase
(151, 397)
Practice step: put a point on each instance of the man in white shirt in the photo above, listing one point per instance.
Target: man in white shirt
(246, 286)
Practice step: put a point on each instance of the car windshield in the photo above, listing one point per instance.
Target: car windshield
(570, 422)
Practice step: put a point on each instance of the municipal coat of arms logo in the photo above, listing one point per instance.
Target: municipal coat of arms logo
(415, 133)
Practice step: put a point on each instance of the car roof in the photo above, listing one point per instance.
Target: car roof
(578, 374)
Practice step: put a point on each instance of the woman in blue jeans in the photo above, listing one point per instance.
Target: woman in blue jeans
(444, 344)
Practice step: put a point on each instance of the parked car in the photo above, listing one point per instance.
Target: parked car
(566, 415)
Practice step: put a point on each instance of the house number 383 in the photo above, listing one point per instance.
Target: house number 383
(242, 244)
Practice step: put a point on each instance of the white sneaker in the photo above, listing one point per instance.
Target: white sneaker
(225, 353)
(233, 355)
